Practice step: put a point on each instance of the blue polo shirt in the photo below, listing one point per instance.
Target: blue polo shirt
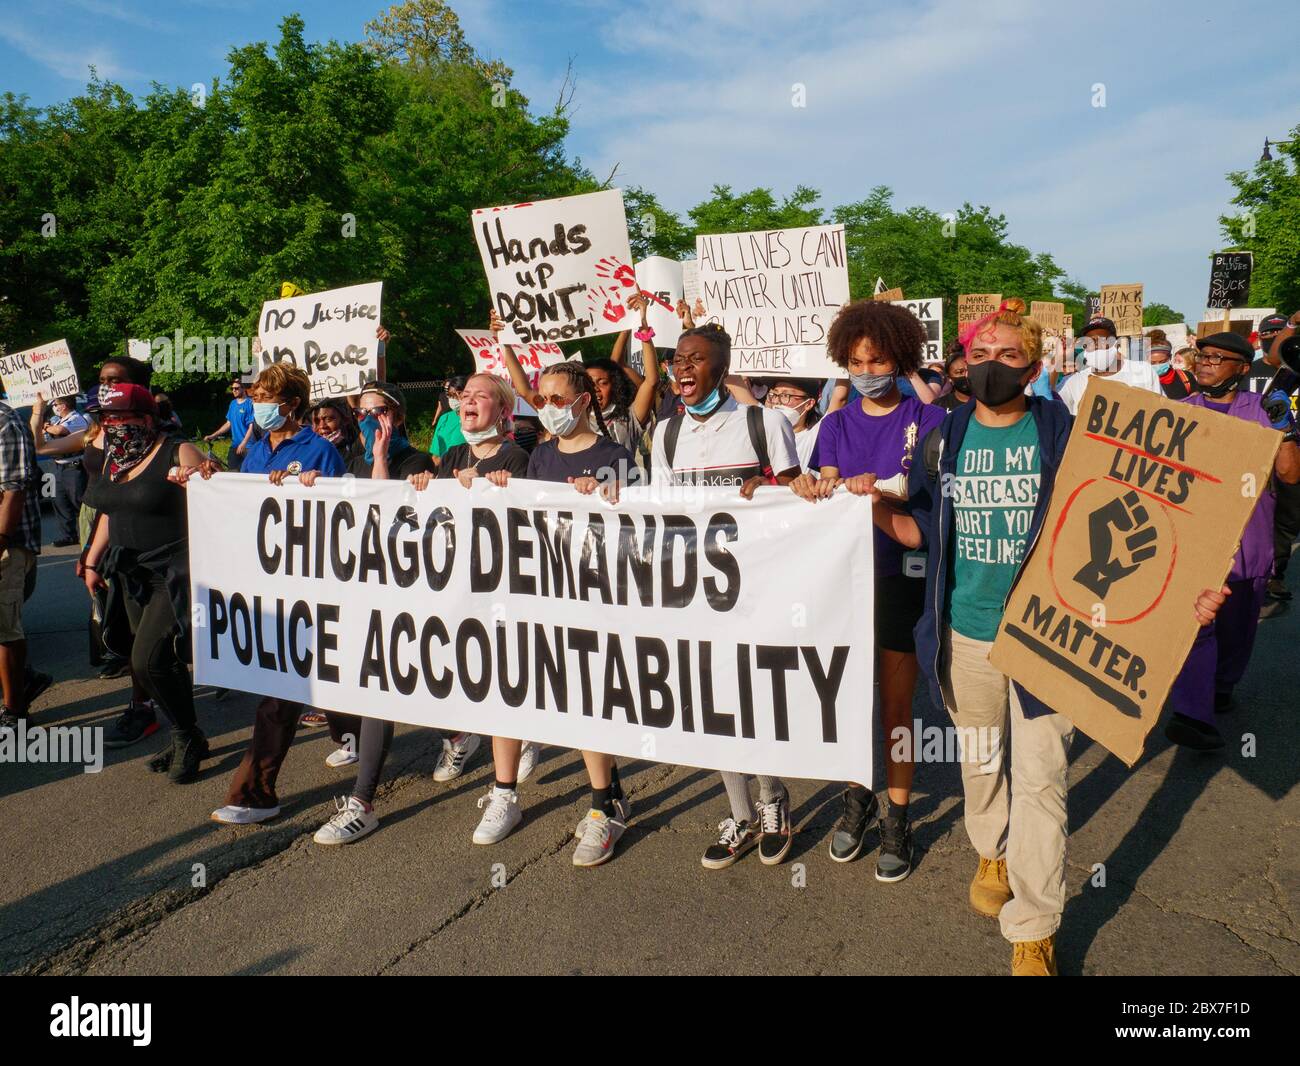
(240, 415)
(306, 448)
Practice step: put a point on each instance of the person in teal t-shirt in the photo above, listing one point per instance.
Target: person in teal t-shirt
(994, 493)
(446, 425)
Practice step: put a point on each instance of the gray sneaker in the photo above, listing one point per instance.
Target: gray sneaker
(599, 835)
(623, 812)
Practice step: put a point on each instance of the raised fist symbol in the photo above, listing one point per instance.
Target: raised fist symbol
(1120, 537)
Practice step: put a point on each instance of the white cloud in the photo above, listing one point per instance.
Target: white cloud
(67, 62)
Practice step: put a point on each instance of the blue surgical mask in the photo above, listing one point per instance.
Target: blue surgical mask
(369, 426)
(874, 386)
(710, 403)
(268, 417)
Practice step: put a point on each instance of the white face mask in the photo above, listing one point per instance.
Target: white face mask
(1104, 359)
(793, 414)
(453, 402)
(480, 436)
(558, 421)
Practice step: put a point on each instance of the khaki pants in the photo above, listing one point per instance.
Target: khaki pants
(1014, 810)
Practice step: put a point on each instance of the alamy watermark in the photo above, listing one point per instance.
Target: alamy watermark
(54, 744)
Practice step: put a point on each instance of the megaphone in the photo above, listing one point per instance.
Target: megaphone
(1289, 352)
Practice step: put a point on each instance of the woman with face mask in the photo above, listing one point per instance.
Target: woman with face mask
(485, 406)
(446, 420)
(334, 420)
(289, 447)
(955, 370)
(580, 453)
(877, 343)
(141, 540)
(796, 400)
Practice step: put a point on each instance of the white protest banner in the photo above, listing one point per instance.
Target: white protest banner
(48, 369)
(691, 281)
(654, 629)
(489, 359)
(930, 315)
(330, 335)
(1214, 316)
(559, 270)
(660, 281)
(776, 292)
(139, 350)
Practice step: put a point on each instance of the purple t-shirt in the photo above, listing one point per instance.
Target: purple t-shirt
(855, 442)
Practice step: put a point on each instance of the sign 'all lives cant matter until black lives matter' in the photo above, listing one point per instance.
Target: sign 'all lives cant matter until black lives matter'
(1149, 504)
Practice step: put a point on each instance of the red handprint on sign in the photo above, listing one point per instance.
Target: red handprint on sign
(611, 269)
(613, 311)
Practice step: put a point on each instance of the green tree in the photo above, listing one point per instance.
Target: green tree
(1158, 314)
(1269, 225)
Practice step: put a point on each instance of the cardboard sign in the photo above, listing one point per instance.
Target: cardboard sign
(973, 306)
(1051, 316)
(1149, 504)
(660, 282)
(489, 359)
(48, 370)
(893, 296)
(691, 281)
(1229, 279)
(1122, 304)
(930, 314)
(1243, 327)
(776, 292)
(139, 350)
(330, 335)
(559, 270)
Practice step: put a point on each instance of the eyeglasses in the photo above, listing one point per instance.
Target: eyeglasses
(376, 411)
(1216, 359)
(786, 399)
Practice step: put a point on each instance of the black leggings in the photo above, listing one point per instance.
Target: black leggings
(376, 739)
(154, 662)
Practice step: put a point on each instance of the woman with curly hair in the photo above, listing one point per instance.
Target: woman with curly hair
(878, 344)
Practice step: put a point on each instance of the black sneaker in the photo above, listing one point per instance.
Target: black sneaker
(66, 542)
(162, 762)
(851, 829)
(1277, 589)
(895, 859)
(188, 750)
(9, 720)
(135, 723)
(774, 822)
(736, 838)
(1193, 734)
(34, 683)
(115, 667)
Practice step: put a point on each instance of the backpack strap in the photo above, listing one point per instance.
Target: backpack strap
(672, 430)
(758, 438)
(931, 449)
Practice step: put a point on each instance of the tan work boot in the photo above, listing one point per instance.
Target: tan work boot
(990, 889)
(1034, 958)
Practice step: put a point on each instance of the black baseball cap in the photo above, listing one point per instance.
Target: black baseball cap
(1099, 323)
(1272, 323)
(1228, 342)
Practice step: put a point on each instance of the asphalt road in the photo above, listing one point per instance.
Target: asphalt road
(1199, 855)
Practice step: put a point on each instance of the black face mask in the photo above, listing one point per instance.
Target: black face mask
(961, 384)
(1222, 389)
(994, 383)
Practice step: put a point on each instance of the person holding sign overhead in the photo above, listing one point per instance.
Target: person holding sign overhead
(581, 453)
(879, 344)
(976, 503)
(1222, 648)
(715, 441)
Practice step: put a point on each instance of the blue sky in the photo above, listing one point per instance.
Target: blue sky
(945, 101)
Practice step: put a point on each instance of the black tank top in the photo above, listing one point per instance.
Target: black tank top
(147, 511)
(93, 461)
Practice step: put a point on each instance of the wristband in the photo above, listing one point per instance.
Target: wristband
(645, 333)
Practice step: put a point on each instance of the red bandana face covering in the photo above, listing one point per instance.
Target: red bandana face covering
(125, 446)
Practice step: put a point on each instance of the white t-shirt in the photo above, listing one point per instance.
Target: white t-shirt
(1130, 372)
(718, 450)
(804, 443)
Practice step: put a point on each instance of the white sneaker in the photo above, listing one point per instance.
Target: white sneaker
(343, 756)
(351, 822)
(455, 757)
(501, 816)
(623, 812)
(528, 756)
(244, 815)
(600, 834)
